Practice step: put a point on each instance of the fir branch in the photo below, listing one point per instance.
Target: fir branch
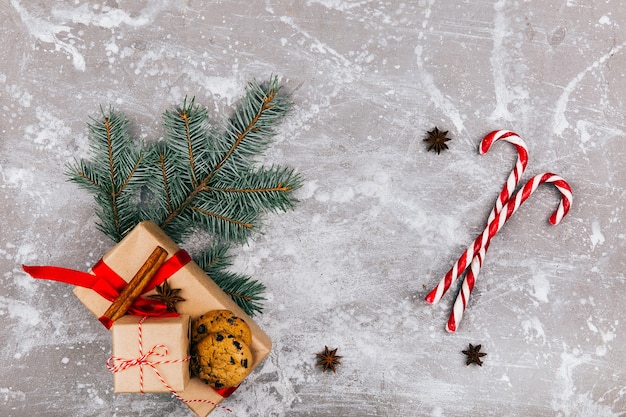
(166, 187)
(223, 218)
(242, 130)
(245, 291)
(214, 258)
(264, 188)
(112, 175)
(195, 177)
(216, 165)
(129, 177)
(185, 118)
(187, 131)
(85, 177)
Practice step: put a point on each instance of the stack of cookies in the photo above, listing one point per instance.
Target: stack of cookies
(220, 352)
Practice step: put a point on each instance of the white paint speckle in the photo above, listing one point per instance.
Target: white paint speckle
(28, 315)
(540, 287)
(596, 237)
(533, 329)
(45, 31)
(560, 122)
(57, 29)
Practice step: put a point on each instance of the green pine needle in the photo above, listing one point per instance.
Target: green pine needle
(242, 289)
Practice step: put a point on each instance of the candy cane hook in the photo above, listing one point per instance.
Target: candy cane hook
(511, 183)
(518, 170)
(509, 208)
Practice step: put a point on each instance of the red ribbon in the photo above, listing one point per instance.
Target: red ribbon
(109, 284)
(225, 392)
(106, 282)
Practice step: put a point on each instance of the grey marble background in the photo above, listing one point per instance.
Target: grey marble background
(380, 220)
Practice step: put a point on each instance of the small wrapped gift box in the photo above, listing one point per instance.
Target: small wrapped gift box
(201, 294)
(151, 354)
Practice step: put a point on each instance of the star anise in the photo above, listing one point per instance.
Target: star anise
(473, 355)
(167, 295)
(328, 359)
(437, 140)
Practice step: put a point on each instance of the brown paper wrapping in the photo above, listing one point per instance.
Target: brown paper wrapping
(172, 332)
(201, 294)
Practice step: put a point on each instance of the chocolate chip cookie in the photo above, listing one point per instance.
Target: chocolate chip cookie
(221, 360)
(220, 321)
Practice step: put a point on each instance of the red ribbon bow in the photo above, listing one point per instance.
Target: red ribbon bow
(144, 360)
(109, 284)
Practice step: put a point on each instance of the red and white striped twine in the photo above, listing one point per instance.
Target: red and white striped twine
(142, 360)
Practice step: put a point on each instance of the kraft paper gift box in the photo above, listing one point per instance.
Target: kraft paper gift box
(201, 294)
(168, 340)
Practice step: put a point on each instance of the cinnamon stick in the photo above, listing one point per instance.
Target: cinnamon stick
(135, 287)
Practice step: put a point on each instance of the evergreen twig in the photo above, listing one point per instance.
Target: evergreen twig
(196, 177)
(218, 187)
(245, 291)
(114, 175)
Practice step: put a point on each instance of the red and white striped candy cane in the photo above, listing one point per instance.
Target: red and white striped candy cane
(518, 170)
(496, 224)
(522, 160)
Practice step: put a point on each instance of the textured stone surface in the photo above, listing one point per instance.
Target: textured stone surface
(380, 219)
